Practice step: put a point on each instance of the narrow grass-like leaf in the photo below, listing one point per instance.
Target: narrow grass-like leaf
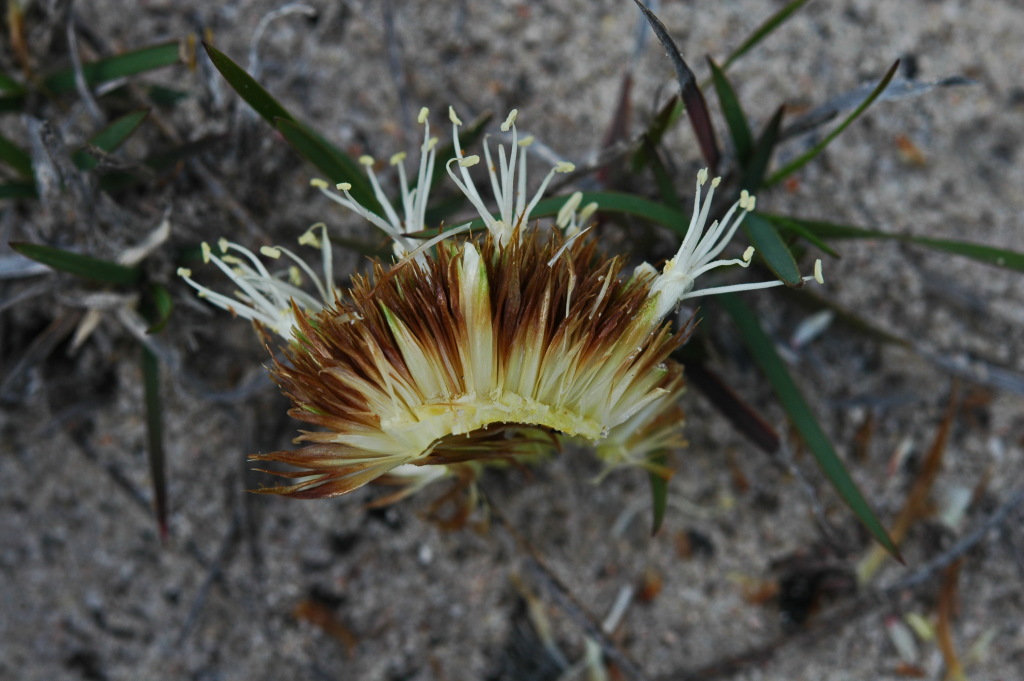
(158, 307)
(770, 246)
(659, 494)
(261, 101)
(112, 68)
(797, 227)
(16, 157)
(165, 96)
(739, 128)
(1001, 257)
(802, 160)
(79, 265)
(110, 138)
(662, 179)
(762, 350)
(18, 190)
(761, 156)
(656, 131)
(155, 437)
(693, 98)
(764, 30)
(336, 165)
(8, 84)
(741, 415)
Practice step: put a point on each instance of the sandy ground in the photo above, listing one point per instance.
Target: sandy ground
(253, 587)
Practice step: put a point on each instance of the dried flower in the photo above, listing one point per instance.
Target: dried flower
(476, 351)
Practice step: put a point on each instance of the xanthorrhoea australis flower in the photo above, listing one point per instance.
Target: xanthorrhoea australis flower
(479, 351)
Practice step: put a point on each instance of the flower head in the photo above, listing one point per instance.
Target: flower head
(464, 351)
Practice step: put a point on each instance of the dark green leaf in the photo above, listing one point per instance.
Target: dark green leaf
(15, 157)
(112, 68)
(662, 179)
(659, 494)
(656, 131)
(693, 98)
(771, 248)
(764, 30)
(739, 128)
(336, 165)
(12, 103)
(18, 190)
(802, 160)
(762, 350)
(110, 138)
(261, 101)
(797, 227)
(8, 84)
(78, 265)
(165, 96)
(155, 437)
(157, 308)
(761, 156)
(1000, 257)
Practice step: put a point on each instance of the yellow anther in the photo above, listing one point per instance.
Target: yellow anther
(564, 167)
(343, 186)
(223, 244)
(469, 161)
(366, 160)
(587, 212)
(702, 176)
(319, 183)
(817, 272)
(431, 143)
(748, 254)
(715, 182)
(510, 121)
(206, 252)
(295, 275)
(271, 252)
(310, 238)
(422, 118)
(526, 141)
(184, 272)
(397, 158)
(453, 117)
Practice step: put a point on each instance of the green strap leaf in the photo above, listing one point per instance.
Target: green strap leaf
(157, 307)
(802, 160)
(770, 246)
(762, 350)
(112, 68)
(110, 138)
(735, 119)
(79, 265)
(1000, 257)
(764, 30)
(8, 84)
(155, 437)
(331, 161)
(659, 493)
(261, 101)
(797, 227)
(18, 190)
(16, 157)
(761, 156)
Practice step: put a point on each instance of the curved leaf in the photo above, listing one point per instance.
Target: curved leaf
(261, 101)
(762, 350)
(112, 68)
(110, 138)
(79, 265)
(739, 128)
(770, 246)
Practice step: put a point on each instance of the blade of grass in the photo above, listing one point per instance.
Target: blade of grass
(659, 494)
(656, 131)
(78, 265)
(764, 30)
(772, 249)
(155, 437)
(112, 68)
(110, 138)
(735, 119)
(18, 190)
(795, 226)
(805, 158)
(762, 350)
(16, 157)
(693, 99)
(261, 101)
(761, 156)
(662, 178)
(1000, 257)
(158, 308)
(8, 84)
(335, 164)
